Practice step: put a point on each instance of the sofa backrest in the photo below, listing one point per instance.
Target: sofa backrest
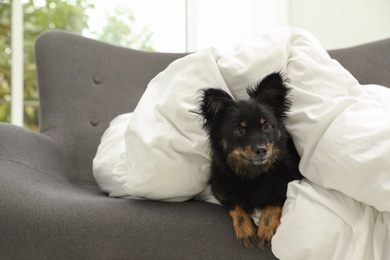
(369, 63)
(83, 85)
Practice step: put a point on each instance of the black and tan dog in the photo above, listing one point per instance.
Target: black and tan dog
(253, 157)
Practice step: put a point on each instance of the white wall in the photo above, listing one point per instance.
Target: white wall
(342, 23)
(336, 23)
(221, 23)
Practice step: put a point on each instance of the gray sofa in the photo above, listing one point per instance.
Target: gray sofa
(50, 205)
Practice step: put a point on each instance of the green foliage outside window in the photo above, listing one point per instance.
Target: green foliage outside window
(69, 15)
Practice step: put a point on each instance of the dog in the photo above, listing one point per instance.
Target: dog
(253, 156)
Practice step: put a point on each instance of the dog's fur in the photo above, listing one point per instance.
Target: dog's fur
(253, 157)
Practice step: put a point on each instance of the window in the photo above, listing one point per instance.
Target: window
(5, 56)
(141, 24)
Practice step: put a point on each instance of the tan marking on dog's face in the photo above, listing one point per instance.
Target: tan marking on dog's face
(275, 153)
(270, 149)
(269, 222)
(237, 163)
(262, 121)
(243, 226)
(247, 152)
(243, 124)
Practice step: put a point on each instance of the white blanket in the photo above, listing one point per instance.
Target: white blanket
(341, 130)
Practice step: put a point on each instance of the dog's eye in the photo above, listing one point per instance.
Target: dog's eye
(267, 127)
(239, 131)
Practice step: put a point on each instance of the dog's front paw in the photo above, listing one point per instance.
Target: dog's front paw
(264, 237)
(242, 223)
(245, 236)
(269, 222)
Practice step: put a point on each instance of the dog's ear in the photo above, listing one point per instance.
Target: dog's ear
(213, 102)
(273, 92)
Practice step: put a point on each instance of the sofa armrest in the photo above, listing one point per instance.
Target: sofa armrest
(30, 149)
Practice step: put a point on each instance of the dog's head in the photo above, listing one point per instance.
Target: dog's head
(250, 134)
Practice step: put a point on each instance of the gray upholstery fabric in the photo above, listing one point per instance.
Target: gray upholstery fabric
(83, 84)
(50, 205)
(369, 63)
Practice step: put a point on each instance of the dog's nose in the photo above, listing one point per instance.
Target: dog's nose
(260, 150)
